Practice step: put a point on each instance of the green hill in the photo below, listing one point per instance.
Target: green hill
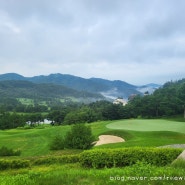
(25, 89)
(116, 88)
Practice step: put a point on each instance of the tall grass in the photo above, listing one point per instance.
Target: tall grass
(179, 163)
(73, 174)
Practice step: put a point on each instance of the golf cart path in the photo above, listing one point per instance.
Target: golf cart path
(106, 139)
(182, 155)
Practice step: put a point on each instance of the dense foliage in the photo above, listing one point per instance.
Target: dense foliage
(80, 137)
(102, 158)
(57, 143)
(56, 159)
(168, 100)
(25, 89)
(140, 174)
(8, 121)
(13, 164)
(4, 151)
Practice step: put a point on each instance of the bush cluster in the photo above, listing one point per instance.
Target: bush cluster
(57, 159)
(22, 163)
(79, 137)
(13, 164)
(57, 143)
(101, 158)
(4, 151)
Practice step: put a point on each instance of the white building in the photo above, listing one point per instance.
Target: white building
(120, 101)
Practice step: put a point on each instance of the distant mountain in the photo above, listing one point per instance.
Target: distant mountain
(26, 89)
(11, 76)
(116, 88)
(109, 89)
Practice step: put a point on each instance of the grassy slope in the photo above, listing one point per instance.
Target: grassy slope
(35, 142)
(31, 142)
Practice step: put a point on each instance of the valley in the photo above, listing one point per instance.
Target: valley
(151, 124)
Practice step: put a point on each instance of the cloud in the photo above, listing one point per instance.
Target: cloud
(136, 41)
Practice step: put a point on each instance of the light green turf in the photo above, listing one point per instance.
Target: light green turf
(148, 125)
(35, 142)
(31, 142)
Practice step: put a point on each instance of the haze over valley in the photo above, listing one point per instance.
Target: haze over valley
(65, 85)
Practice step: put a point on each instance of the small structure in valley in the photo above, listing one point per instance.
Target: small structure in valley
(120, 101)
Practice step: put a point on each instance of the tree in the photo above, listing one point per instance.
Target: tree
(57, 116)
(57, 143)
(80, 137)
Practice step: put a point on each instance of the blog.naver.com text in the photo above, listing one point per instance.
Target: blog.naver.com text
(143, 178)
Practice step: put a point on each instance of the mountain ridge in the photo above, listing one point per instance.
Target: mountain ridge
(25, 89)
(108, 88)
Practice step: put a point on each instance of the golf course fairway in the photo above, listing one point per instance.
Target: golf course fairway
(148, 125)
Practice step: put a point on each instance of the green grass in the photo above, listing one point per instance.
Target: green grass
(151, 132)
(74, 174)
(35, 142)
(145, 139)
(31, 142)
(179, 163)
(148, 125)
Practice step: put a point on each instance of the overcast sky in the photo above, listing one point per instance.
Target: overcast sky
(137, 41)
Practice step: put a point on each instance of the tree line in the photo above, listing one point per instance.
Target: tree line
(168, 100)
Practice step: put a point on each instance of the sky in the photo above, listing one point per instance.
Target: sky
(137, 41)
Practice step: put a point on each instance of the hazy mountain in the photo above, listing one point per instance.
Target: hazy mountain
(26, 89)
(110, 89)
(116, 88)
(11, 76)
(150, 88)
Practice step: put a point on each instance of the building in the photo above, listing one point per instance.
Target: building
(120, 101)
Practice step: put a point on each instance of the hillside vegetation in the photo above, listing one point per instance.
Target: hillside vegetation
(115, 88)
(138, 160)
(168, 100)
(25, 89)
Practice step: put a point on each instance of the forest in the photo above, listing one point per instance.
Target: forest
(167, 101)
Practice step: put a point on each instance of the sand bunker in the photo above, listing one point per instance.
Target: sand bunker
(106, 139)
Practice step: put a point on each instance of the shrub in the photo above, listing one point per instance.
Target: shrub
(56, 159)
(101, 158)
(13, 164)
(57, 143)
(80, 137)
(4, 151)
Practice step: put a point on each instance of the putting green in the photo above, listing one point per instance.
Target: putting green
(148, 125)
